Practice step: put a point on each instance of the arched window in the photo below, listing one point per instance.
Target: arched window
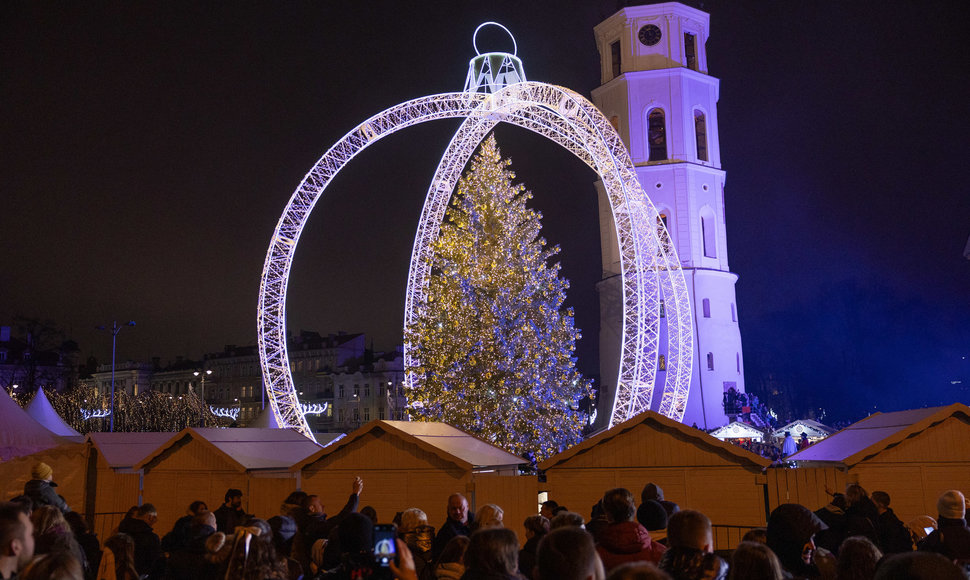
(662, 363)
(700, 134)
(656, 135)
(708, 232)
(710, 361)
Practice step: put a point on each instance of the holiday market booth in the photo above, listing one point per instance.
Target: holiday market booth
(694, 469)
(814, 430)
(912, 455)
(419, 464)
(738, 431)
(202, 463)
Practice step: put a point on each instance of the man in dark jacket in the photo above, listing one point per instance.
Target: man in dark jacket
(623, 539)
(791, 536)
(187, 561)
(656, 493)
(952, 537)
(40, 489)
(458, 523)
(230, 514)
(148, 547)
(892, 533)
(690, 555)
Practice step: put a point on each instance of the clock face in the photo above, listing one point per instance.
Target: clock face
(649, 34)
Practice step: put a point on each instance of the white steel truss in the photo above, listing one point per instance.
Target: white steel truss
(650, 268)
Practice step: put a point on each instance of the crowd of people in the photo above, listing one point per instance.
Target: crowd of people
(856, 536)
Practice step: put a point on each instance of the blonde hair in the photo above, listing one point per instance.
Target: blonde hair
(411, 518)
(489, 516)
(46, 518)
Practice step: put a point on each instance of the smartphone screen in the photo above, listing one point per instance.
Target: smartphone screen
(385, 550)
(928, 531)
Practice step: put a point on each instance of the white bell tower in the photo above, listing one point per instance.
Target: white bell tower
(656, 91)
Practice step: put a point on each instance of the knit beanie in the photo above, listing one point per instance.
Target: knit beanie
(951, 505)
(652, 515)
(44, 471)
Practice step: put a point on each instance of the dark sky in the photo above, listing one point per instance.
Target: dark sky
(147, 150)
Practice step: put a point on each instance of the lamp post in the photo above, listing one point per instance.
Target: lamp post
(204, 374)
(114, 330)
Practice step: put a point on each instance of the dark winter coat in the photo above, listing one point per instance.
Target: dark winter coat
(41, 492)
(188, 561)
(693, 564)
(894, 536)
(527, 556)
(148, 547)
(951, 538)
(228, 519)
(623, 542)
(449, 530)
(834, 517)
(790, 527)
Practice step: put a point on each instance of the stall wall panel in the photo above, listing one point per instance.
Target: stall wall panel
(728, 497)
(944, 442)
(913, 488)
(266, 494)
(383, 450)
(805, 485)
(516, 495)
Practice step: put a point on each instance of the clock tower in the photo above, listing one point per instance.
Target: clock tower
(656, 91)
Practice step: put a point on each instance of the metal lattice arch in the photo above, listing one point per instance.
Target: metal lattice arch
(649, 265)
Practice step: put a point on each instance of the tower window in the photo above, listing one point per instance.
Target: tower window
(662, 363)
(615, 58)
(690, 50)
(663, 309)
(710, 361)
(656, 135)
(708, 233)
(700, 134)
(707, 307)
(734, 313)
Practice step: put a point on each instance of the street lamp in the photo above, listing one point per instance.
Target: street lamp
(204, 374)
(114, 330)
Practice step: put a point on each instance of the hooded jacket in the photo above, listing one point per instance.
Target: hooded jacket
(41, 492)
(623, 542)
(790, 527)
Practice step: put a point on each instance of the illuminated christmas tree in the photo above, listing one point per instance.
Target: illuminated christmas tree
(494, 345)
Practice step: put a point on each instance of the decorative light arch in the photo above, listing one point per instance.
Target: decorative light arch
(650, 268)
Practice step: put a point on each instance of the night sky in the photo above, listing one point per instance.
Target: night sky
(147, 150)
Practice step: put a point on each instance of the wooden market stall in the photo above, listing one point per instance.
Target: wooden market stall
(812, 429)
(695, 470)
(419, 464)
(738, 430)
(912, 455)
(202, 463)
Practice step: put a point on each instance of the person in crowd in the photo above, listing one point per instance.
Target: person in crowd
(690, 555)
(892, 533)
(458, 522)
(548, 508)
(450, 565)
(858, 557)
(952, 537)
(860, 512)
(755, 561)
(118, 560)
(535, 528)
(638, 571)
(920, 527)
(567, 553)
(655, 492)
(788, 446)
(148, 546)
(58, 565)
(597, 520)
(356, 538)
(40, 488)
(791, 536)
(90, 546)
(251, 554)
(652, 515)
(918, 566)
(624, 540)
(803, 442)
(370, 512)
(492, 554)
(566, 518)
(176, 538)
(188, 560)
(230, 514)
(488, 516)
(16, 539)
(53, 534)
(284, 532)
(833, 516)
(27, 504)
(419, 538)
(758, 535)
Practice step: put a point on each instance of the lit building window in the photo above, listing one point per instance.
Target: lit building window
(700, 134)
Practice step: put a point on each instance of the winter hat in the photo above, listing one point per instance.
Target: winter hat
(952, 505)
(44, 471)
(356, 533)
(283, 526)
(652, 491)
(652, 515)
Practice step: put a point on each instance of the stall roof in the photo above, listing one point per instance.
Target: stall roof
(43, 412)
(876, 433)
(664, 424)
(737, 430)
(446, 441)
(125, 450)
(811, 427)
(249, 448)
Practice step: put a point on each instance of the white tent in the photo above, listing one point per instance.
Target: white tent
(738, 430)
(265, 420)
(42, 412)
(815, 430)
(21, 434)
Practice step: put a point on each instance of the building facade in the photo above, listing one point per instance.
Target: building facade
(656, 92)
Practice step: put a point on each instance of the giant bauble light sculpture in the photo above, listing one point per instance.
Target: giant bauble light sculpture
(496, 90)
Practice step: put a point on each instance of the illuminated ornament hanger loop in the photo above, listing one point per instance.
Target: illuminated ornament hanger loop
(515, 47)
(491, 71)
(650, 268)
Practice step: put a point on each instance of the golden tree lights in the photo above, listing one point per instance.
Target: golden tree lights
(495, 345)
